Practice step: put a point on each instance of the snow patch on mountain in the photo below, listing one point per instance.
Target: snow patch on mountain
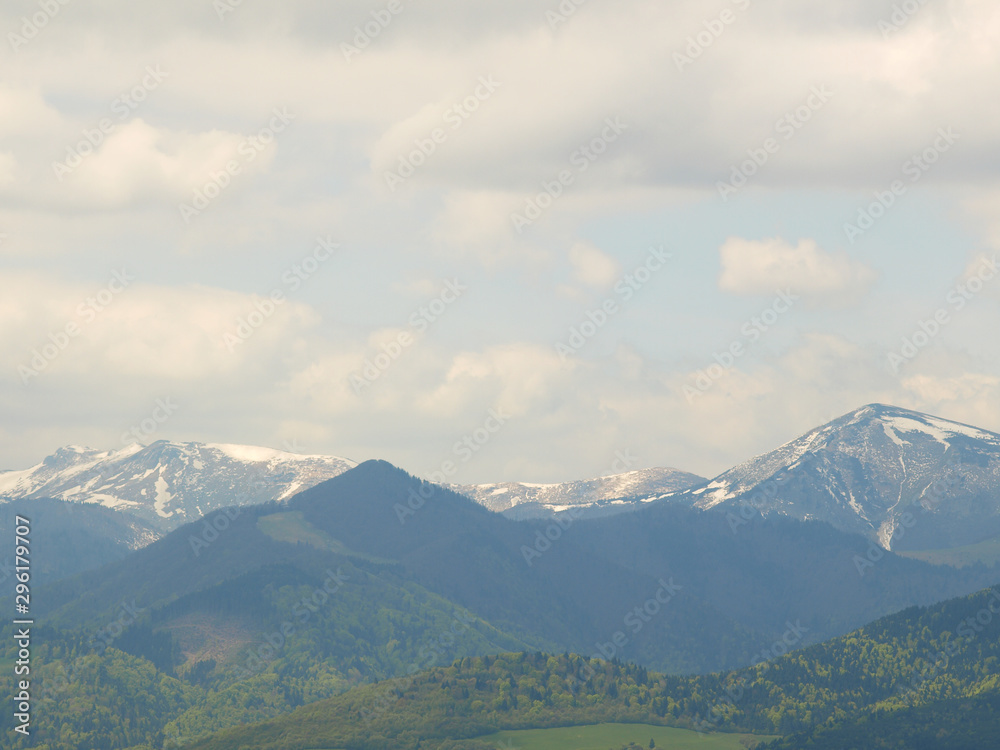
(169, 483)
(616, 491)
(867, 470)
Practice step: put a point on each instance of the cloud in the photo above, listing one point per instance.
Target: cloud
(969, 397)
(957, 388)
(25, 112)
(655, 184)
(592, 267)
(8, 167)
(125, 330)
(762, 266)
(140, 161)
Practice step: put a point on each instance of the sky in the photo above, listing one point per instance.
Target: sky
(503, 240)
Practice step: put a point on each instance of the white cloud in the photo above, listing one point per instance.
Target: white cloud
(686, 129)
(762, 266)
(25, 112)
(966, 387)
(592, 266)
(140, 161)
(127, 330)
(8, 167)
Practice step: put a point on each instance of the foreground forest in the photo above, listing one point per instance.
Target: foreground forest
(923, 672)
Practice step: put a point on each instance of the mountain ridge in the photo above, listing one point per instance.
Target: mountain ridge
(902, 478)
(168, 483)
(906, 480)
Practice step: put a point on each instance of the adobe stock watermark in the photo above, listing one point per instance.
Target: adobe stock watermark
(787, 126)
(463, 450)
(561, 522)
(249, 149)
(365, 34)
(455, 116)
(291, 281)
(7, 569)
(958, 297)
(86, 313)
(581, 158)
(31, 26)
(212, 528)
(419, 321)
(107, 635)
(429, 654)
(734, 692)
(123, 106)
(752, 331)
(303, 610)
(876, 552)
(566, 10)
(636, 619)
(469, 445)
(902, 14)
(714, 28)
(163, 410)
(224, 7)
(915, 168)
(751, 505)
(624, 290)
(931, 497)
(966, 631)
(51, 687)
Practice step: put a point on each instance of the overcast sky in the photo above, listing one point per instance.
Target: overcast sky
(458, 186)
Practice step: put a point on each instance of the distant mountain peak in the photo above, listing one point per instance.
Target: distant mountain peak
(606, 494)
(863, 471)
(169, 483)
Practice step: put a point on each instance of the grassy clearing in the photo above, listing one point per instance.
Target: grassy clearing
(292, 527)
(987, 552)
(605, 736)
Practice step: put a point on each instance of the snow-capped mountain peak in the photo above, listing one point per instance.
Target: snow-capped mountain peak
(864, 471)
(170, 483)
(615, 492)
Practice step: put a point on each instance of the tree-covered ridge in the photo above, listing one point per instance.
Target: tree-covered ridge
(248, 649)
(471, 698)
(917, 657)
(971, 723)
(920, 657)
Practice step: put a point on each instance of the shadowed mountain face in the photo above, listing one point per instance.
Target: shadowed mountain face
(906, 480)
(67, 538)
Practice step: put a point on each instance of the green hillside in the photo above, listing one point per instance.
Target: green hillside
(604, 736)
(918, 658)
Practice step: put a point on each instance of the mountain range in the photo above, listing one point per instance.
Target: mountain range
(167, 483)
(907, 481)
(375, 575)
(603, 495)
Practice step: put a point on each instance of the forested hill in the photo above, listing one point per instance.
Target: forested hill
(918, 658)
